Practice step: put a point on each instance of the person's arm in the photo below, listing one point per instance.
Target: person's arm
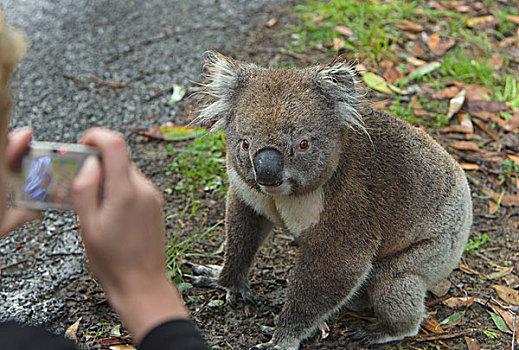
(123, 236)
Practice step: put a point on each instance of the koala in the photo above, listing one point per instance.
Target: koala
(380, 211)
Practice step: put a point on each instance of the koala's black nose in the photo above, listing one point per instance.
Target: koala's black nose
(268, 166)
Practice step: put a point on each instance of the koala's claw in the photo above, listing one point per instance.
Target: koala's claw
(205, 270)
(207, 275)
(271, 345)
(203, 281)
(245, 293)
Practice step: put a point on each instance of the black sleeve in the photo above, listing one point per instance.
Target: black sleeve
(174, 335)
(14, 336)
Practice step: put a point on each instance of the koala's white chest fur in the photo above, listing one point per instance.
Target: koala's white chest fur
(296, 213)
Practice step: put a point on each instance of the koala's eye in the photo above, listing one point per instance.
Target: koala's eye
(303, 145)
(245, 144)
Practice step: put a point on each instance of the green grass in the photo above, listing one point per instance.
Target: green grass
(373, 24)
(199, 170)
(200, 166)
(376, 38)
(474, 244)
(179, 250)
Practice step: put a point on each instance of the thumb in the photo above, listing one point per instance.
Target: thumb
(86, 187)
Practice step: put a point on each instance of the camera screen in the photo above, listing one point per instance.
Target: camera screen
(48, 179)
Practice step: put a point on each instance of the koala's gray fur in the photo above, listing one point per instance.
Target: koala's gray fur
(378, 207)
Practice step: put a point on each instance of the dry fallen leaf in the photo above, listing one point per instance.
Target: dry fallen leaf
(434, 41)
(71, 332)
(496, 61)
(380, 104)
(465, 125)
(465, 146)
(438, 46)
(469, 166)
(512, 18)
(474, 21)
(418, 109)
(501, 273)
(467, 269)
(458, 302)
(338, 43)
(343, 30)
(272, 22)
(455, 103)
(513, 124)
(513, 158)
(391, 73)
(476, 92)
(492, 207)
(474, 106)
(415, 61)
(472, 343)
(410, 26)
(504, 199)
(430, 324)
(509, 295)
(448, 92)
(418, 50)
(512, 280)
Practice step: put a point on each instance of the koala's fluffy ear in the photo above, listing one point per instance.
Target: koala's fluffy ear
(337, 81)
(224, 76)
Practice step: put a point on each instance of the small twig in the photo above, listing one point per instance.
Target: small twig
(513, 333)
(13, 264)
(422, 338)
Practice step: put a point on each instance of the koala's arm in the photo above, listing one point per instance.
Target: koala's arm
(245, 232)
(330, 268)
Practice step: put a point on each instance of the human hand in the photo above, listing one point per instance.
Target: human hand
(123, 235)
(17, 145)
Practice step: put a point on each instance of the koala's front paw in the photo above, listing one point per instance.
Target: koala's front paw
(273, 345)
(208, 276)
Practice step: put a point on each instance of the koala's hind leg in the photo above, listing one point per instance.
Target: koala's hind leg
(397, 290)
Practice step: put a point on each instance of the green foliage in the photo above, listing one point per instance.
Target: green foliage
(372, 22)
(179, 249)
(491, 333)
(375, 37)
(509, 169)
(201, 165)
(463, 65)
(508, 92)
(474, 244)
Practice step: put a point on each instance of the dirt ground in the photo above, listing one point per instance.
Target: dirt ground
(241, 327)
(224, 327)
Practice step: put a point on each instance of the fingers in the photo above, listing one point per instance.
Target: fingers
(86, 187)
(16, 217)
(114, 156)
(17, 145)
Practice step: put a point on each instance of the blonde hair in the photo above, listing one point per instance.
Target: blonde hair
(13, 45)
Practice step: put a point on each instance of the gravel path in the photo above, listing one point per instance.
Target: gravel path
(77, 48)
